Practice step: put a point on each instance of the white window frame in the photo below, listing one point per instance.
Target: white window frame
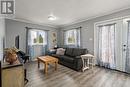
(45, 37)
(70, 31)
(76, 37)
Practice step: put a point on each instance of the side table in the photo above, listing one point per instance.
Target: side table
(86, 61)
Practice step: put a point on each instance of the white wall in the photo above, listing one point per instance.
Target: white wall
(2, 36)
(14, 28)
(87, 31)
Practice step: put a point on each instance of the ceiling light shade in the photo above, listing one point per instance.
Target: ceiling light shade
(51, 17)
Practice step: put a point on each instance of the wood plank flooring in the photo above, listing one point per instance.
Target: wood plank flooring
(66, 77)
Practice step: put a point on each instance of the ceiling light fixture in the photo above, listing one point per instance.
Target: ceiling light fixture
(52, 17)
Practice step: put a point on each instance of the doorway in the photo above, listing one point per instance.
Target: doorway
(112, 44)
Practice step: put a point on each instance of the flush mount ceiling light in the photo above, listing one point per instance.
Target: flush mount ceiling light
(52, 17)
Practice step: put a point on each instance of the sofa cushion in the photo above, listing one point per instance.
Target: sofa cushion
(60, 51)
(69, 51)
(78, 52)
(68, 59)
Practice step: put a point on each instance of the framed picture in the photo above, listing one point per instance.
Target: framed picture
(54, 38)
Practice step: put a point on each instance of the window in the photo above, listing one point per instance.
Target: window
(38, 37)
(72, 37)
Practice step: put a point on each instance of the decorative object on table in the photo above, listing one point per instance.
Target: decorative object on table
(10, 55)
(86, 61)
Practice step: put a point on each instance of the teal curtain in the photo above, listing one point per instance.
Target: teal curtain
(37, 42)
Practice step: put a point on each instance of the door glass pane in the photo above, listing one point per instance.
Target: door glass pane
(107, 46)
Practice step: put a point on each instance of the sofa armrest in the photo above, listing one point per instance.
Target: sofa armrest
(78, 57)
(51, 52)
(78, 63)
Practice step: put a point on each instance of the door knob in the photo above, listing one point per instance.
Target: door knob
(124, 45)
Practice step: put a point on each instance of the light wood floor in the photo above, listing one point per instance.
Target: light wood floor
(65, 77)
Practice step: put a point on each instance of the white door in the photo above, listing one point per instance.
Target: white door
(108, 44)
(120, 50)
(126, 45)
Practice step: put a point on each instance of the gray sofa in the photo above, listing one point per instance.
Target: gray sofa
(71, 58)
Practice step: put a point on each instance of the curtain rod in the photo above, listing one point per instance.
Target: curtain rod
(74, 28)
(36, 28)
(77, 27)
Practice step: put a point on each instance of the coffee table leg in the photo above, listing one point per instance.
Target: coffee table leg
(45, 70)
(38, 64)
(56, 65)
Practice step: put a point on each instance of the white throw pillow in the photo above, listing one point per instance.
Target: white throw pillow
(60, 51)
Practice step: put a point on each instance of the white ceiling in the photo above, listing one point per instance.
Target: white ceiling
(67, 11)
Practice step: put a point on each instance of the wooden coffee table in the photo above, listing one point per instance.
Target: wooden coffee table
(47, 60)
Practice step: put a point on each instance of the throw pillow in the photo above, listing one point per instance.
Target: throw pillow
(60, 51)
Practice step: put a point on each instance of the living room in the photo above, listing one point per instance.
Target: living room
(65, 43)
